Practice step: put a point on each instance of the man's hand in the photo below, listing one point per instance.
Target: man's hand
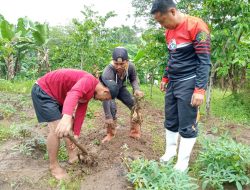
(139, 93)
(64, 126)
(109, 121)
(163, 86)
(197, 99)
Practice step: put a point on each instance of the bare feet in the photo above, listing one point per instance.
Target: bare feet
(135, 135)
(73, 155)
(107, 138)
(59, 173)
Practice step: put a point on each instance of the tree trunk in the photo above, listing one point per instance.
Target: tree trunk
(46, 60)
(9, 61)
(17, 64)
(39, 62)
(209, 90)
(152, 84)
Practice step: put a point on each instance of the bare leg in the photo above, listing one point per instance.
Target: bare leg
(72, 150)
(53, 143)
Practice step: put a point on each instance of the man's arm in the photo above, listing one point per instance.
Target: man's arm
(107, 109)
(133, 77)
(108, 74)
(202, 50)
(79, 117)
(201, 43)
(79, 90)
(165, 79)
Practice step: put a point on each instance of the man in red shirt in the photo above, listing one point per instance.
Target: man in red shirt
(56, 97)
(186, 74)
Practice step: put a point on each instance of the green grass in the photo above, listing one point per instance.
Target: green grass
(231, 108)
(228, 107)
(23, 87)
(5, 133)
(74, 184)
(158, 97)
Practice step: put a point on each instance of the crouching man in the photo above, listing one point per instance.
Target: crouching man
(121, 70)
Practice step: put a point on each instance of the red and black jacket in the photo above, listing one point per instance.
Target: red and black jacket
(189, 53)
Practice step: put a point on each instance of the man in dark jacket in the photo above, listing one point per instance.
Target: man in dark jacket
(121, 71)
(186, 74)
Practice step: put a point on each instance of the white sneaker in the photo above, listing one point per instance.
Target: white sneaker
(171, 146)
(185, 149)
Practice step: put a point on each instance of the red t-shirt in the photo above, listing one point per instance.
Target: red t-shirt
(68, 86)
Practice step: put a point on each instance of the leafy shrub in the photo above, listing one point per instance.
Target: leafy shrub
(30, 146)
(151, 175)
(14, 131)
(7, 110)
(5, 133)
(223, 161)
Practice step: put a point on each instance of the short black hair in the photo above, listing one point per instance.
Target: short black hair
(162, 6)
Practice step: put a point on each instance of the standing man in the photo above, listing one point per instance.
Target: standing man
(121, 70)
(56, 96)
(187, 74)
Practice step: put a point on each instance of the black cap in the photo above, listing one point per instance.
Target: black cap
(111, 85)
(120, 52)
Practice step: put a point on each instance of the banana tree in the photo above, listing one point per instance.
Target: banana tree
(40, 34)
(14, 42)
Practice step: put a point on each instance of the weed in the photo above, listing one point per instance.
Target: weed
(7, 110)
(150, 175)
(63, 185)
(5, 133)
(223, 161)
(97, 142)
(28, 147)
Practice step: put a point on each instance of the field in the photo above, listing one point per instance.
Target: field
(24, 160)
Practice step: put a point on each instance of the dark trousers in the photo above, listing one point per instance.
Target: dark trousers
(180, 116)
(125, 97)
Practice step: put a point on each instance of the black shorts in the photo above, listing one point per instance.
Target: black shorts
(47, 108)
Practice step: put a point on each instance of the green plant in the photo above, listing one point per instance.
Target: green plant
(90, 114)
(151, 175)
(7, 110)
(28, 147)
(97, 142)
(223, 161)
(14, 131)
(22, 87)
(5, 133)
(63, 185)
(20, 131)
(24, 148)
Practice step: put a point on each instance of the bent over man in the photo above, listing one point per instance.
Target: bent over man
(56, 96)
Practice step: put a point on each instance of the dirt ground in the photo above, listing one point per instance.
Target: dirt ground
(19, 171)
